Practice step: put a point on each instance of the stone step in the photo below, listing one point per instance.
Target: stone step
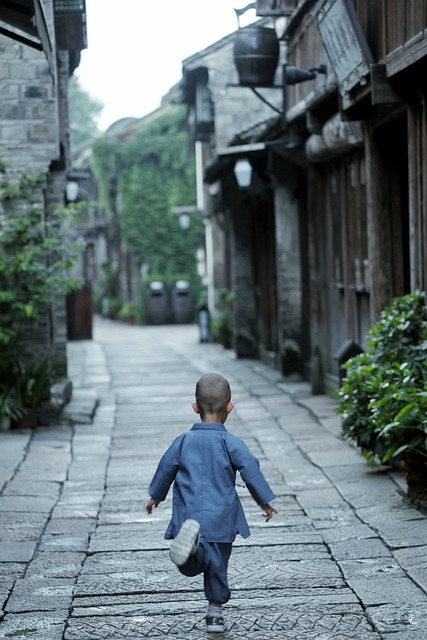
(82, 406)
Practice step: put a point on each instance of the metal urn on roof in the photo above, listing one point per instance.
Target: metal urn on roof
(256, 55)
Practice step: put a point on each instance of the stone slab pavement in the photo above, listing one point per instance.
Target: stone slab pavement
(345, 558)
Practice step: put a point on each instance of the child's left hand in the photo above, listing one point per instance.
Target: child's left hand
(268, 511)
(150, 504)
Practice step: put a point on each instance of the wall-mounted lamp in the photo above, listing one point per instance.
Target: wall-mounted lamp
(293, 75)
(184, 221)
(72, 190)
(183, 213)
(243, 173)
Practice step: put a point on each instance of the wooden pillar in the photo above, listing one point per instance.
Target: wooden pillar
(246, 341)
(378, 223)
(417, 173)
(289, 269)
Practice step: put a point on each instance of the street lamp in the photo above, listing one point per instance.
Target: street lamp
(184, 221)
(72, 190)
(183, 213)
(243, 173)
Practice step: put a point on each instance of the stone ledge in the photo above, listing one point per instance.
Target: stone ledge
(82, 406)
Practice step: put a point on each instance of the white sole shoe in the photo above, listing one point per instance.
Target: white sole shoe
(185, 543)
(215, 624)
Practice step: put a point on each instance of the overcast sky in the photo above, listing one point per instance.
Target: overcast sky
(135, 48)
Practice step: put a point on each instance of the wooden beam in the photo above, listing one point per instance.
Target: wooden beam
(382, 91)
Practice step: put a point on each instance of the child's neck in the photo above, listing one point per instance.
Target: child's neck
(214, 417)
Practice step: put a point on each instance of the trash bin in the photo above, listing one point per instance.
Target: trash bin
(182, 302)
(157, 303)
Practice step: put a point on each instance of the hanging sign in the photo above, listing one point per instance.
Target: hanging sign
(345, 43)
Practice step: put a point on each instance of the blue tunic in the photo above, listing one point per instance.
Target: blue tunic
(202, 463)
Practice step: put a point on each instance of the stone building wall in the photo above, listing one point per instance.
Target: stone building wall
(34, 139)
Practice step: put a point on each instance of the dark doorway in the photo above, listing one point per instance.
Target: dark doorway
(391, 141)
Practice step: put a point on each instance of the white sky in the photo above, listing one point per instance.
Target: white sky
(135, 48)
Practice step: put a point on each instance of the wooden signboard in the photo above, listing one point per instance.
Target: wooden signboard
(345, 43)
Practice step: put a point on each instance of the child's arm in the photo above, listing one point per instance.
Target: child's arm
(150, 504)
(268, 511)
(164, 475)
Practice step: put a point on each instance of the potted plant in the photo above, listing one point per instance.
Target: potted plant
(129, 312)
(383, 398)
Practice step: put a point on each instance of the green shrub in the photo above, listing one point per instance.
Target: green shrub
(35, 261)
(128, 311)
(222, 324)
(25, 385)
(114, 306)
(383, 398)
(11, 409)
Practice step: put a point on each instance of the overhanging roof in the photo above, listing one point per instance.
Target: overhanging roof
(24, 21)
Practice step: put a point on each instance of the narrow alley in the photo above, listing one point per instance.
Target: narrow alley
(345, 558)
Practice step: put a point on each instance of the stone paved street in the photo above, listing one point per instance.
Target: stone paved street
(345, 558)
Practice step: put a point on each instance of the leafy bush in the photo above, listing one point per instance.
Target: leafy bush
(27, 383)
(128, 311)
(114, 306)
(34, 262)
(222, 324)
(34, 265)
(383, 398)
(11, 409)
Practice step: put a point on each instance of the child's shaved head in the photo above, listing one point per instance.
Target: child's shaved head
(212, 393)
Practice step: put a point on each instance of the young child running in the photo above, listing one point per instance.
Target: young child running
(206, 512)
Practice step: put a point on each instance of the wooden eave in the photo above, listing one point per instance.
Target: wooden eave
(24, 21)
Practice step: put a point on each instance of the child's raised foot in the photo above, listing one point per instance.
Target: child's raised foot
(186, 542)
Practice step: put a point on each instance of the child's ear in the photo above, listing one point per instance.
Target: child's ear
(195, 407)
(230, 406)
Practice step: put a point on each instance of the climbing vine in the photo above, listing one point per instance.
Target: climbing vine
(152, 171)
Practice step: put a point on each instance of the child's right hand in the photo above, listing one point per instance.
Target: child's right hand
(268, 511)
(150, 504)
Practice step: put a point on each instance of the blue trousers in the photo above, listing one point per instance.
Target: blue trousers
(211, 559)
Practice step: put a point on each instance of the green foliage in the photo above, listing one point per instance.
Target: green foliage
(28, 382)
(110, 280)
(154, 171)
(114, 306)
(222, 324)
(34, 265)
(84, 111)
(383, 398)
(11, 409)
(104, 151)
(128, 311)
(33, 261)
